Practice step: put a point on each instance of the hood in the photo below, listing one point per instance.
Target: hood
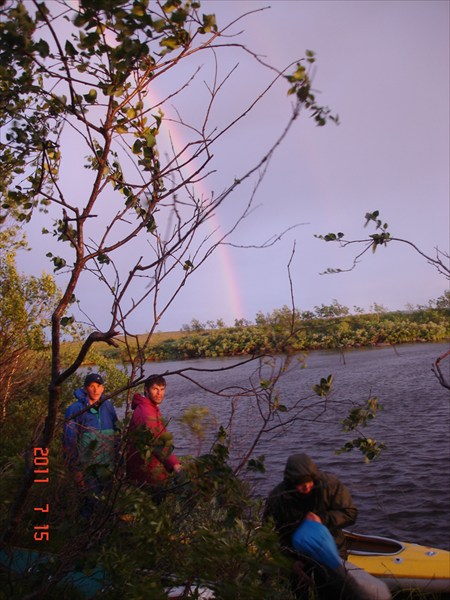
(139, 400)
(300, 467)
(81, 396)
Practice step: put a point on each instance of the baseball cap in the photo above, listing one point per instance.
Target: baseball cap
(93, 378)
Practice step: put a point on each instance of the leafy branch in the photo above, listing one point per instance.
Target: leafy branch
(382, 237)
(358, 417)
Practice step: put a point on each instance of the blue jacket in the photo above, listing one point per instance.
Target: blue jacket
(88, 439)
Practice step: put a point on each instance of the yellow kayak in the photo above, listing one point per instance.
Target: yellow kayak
(401, 565)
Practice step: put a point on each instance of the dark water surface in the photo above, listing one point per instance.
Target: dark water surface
(405, 493)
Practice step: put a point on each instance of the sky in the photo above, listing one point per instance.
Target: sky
(383, 67)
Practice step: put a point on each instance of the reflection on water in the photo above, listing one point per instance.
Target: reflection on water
(405, 492)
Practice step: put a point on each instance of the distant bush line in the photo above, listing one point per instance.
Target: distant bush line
(277, 333)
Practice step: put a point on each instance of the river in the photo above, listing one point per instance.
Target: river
(404, 493)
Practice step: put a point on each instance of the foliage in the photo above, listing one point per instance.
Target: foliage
(273, 333)
(440, 303)
(25, 312)
(196, 420)
(382, 237)
(357, 418)
(205, 531)
(26, 301)
(332, 310)
(84, 75)
(323, 388)
(284, 330)
(301, 86)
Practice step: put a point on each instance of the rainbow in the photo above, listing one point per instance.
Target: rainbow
(230, 281)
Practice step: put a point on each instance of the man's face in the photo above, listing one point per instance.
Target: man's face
(305, 488)
(156, 393)
(94, 391)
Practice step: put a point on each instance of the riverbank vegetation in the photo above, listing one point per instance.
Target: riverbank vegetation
(328, 328)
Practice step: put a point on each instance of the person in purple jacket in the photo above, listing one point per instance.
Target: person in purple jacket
(148, 432)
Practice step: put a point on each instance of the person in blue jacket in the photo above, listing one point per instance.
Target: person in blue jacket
(89, 437)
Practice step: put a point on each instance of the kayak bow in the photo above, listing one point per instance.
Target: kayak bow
(401, 565)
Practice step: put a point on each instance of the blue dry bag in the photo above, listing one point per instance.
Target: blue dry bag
(314, 540)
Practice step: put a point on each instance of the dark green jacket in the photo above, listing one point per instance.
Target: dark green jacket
(330, 500)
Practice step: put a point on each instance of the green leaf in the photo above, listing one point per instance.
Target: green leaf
(303, 92)
(179, 17)
(151, 225)
(171, 5)
(159, 25)
(137, 147)
(42, 48)
(299, 74)
(171, 43)
(91, 97)
(209, 24)
(324, 387)
(43, 11)
(257, 464)
(103, 259)
(59, 263)
(138, 10)
(150, 140)
(70, 49)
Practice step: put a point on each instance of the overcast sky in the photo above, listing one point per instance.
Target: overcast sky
(383, 66)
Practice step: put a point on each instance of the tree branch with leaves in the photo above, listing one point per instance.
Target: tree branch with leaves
(88, 76)
(382, 237)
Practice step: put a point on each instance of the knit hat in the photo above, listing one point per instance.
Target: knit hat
(93, 378)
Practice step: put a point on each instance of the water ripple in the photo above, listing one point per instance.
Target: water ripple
(404, 493)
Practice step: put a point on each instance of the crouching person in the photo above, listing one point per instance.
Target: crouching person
(309, 509)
